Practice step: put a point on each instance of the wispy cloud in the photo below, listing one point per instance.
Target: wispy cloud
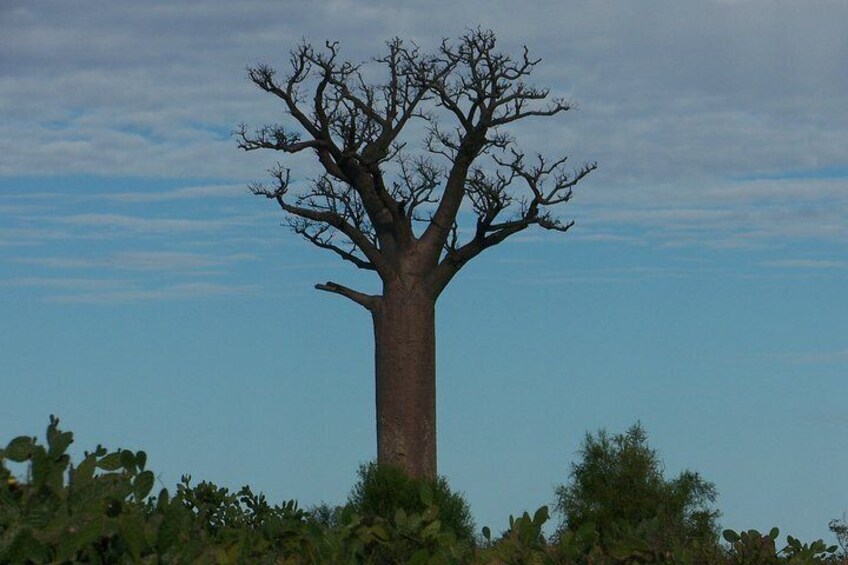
(614, 275)
(63, 283)
(28, 236)
(185, 193)
(703, 218)
(603, 237)
(186, 291)
(141, 224)
(815, 357)
(112, 291)
(727, 151)
(140, 261)
(17, 209)
(201, 192)
(805, 264)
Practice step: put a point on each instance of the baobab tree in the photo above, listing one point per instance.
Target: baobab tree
(415, 218)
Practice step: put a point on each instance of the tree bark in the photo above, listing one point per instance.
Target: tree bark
(405, 361)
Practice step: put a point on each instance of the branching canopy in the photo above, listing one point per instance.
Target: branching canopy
(385, 209)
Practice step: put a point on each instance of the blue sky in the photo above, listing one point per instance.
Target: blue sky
(149, 301)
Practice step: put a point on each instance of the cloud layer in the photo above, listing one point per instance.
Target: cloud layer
(719, 124)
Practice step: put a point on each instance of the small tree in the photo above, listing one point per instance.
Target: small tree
(385, 208)
(839, 528)
(618, 485)
(384, 489)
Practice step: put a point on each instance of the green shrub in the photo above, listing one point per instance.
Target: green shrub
(93, 512)
(383, 489)
(619, 488)
(101, 511)
(754, 548)
(839, 528)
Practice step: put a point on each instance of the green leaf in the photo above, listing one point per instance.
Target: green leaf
(793, 541)
(67, 546)
(430, 513)
(400, 517)
(143, 484)
(487, 533)
(91, 532)
(40, 466)
(347, 514)
(111, 462)
(26, 549)
(83, 473)
(426, 494)
(128, 460)
(420, 557)
(431, 530)
(380, 532)
(541, 516)
(59, 443)
(413, 521)
(221, 557)
(162, 500)
(586, 529)
(37, 518)
(19, 449)
(773, 533)
(730, 536)
(52, 429)
(141, 459)
(132, 530)
(169, 529)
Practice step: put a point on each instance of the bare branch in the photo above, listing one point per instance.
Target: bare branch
(363, 206)
(318, 236)
(456, 258)
(331, 213)
(485, 90)
(274, 137)
(263, 76)
(366, 300)
(489, 197)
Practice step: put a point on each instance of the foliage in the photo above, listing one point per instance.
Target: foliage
(754, 548)
(524, 542)
(839, 528)
(101, 511)
(383, 489)
(96, 517)
(618, 486)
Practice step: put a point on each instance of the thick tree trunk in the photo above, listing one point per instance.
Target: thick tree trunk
(405, 359)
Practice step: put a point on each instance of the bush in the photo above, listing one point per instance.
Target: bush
(619, 488)
(101, 511)
(753, 548)
(383, 489)
(839, 528)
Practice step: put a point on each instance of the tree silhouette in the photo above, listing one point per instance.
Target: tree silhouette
(386, 209)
